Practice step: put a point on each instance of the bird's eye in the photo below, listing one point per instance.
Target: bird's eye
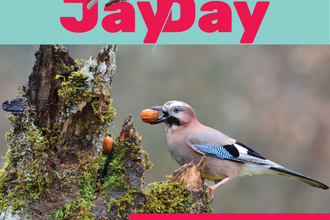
(176, 109)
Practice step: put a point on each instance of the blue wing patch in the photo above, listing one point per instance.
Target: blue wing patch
(217, 151)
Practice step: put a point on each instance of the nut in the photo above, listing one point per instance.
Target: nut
(107, 145)
(149, 115)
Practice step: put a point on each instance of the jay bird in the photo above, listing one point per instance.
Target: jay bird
(188, 140)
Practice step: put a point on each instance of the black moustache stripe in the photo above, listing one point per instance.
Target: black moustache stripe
(173, 121)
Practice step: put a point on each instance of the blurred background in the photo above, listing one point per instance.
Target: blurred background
(274, 99)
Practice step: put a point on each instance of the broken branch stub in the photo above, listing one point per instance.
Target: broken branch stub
(122, 185)
(74, 95)
(191, 175)
(54, 146)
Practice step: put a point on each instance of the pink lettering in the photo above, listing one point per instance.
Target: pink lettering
(187, 17)
(222, 16)
(88, 22)
(251, 23)
(154, 22)
(126, 16)
(122, 18)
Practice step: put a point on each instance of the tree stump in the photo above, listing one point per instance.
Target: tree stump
(55, 166)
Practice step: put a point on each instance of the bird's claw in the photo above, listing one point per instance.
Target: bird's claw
(210, 192)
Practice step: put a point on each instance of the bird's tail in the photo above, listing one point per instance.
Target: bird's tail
(298, 176)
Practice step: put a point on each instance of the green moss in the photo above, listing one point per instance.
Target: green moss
(166, 197)
(88, 178)
(77, 209)
(59, 214)
(125, 199)
(86, 172)
(121, 150)
(77, 88)
(88, 184)
(51, 134)
(105, 116)
(3, 184)
(146, 162)
(64, 70)
(24, 176)
(117, 176)
(81, 86)
(116, 167)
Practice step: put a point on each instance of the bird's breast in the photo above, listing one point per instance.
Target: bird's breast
(180, 150)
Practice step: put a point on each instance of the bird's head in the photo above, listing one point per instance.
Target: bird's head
(175, 113)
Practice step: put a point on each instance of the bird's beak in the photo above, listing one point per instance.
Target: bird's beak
(163, 117)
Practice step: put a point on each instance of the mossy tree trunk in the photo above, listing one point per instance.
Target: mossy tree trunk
(55, 166)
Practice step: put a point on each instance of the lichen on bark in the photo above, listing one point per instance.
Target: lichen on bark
(55, 143)
(54, 163)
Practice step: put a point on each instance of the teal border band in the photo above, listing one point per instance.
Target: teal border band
(285, 22)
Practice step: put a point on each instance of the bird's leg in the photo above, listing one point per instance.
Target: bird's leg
(216, 186)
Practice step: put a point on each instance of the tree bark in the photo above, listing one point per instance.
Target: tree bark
(55, 166)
